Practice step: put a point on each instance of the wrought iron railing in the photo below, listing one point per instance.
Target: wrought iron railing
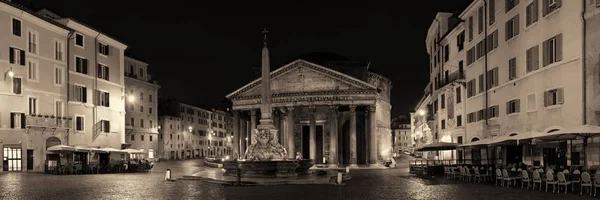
(47, 121)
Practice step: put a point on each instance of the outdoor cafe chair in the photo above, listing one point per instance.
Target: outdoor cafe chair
(525, 178)
(563, 181)
(537, 179)
(596, 182)
(586, 181)
(468, 175)
(477, 176)
(550, 181)
(499, 177)
(506, 177)
(454, 173)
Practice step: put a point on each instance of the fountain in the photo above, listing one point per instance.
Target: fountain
(265, 157)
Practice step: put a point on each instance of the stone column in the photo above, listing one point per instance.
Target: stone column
(252, 125)
(291, 143)
(353, 156)
(275, 117)
(313, 134)
(236, 134)
(373, 136)
(242, 137)
(282, 127)
(333, 137)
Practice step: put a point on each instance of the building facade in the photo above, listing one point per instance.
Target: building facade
(142, 108)
(523, 62)
(326, 108)
(592, 70)
(187, 131)
(402, 135)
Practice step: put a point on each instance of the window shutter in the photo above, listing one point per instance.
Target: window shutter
(545, 98)
(516, 23)
(106, 74)
(495, 39)
(84, 94)
(544, 7)
(23, 121)
(107, 126)
(107, 98)
(558, 3)
(22, 55)
(559, 48)
(508, 107)
(597, 3)
(545, 52)
(497, 111)
(99, 71)
(11, 55)
(534, 11)
(560, 96)
(536, 57)
(84, 66)
(107, 48)
(12, 120)
(97, 97)
(506, 30)
(528, 60)
(518, 105)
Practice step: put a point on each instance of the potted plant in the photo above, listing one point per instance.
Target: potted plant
(46, 116)
(40, 115)
(52, 116)
(69, 118)
(64, 118)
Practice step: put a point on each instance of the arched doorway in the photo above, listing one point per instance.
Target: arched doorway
(475, 153)
(52, 141)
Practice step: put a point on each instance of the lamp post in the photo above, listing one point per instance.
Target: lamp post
(9, 73)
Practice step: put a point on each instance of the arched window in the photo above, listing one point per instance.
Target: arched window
(475, 139)
(52, 141)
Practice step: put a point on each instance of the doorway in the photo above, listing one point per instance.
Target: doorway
(306, 142)
(344, 143)
(29, 159)
(319, 147)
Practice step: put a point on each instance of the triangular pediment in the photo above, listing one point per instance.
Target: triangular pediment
(304, 76)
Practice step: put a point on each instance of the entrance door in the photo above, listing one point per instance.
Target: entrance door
(29, 159)
(150, 153)
(319, 158)
(344, 142)
(306, 142)
(12, 159)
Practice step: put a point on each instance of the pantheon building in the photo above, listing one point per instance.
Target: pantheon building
(326, 107)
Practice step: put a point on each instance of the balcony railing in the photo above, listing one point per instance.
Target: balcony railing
(48, 121)
(455, 76)
(146, 79)
(140, 129)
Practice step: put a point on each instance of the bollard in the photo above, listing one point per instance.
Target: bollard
(238, 181)
(347, 170)
(339, 178)
(168, 175)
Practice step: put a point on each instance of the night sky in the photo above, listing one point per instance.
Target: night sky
(201, 52)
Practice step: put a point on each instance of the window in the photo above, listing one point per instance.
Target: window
(552, 50)
(459, 121)
(512, 68)
(458, 95)
(492, 41)
(446, 53)
(481, 51)
(58, 75)
(553, 97)
(79, 93)
(471, 56)
(79, 123)
(17, 120)
(531, 13)
(58, 108)
(81, 65)
(435, 108)
(79, 40)
(443, 101)
(142, 137)
(103, 49)
(512, 28)
(102, 98)
(481, 83)
(493, 112)
(510, 4)
(141, 72)
(141, 96)
(150, 124)
(550, 6)
(150, 110)
(105, 126)
(531, 105)
(16, 27)
(17, 85)
(492, 11)
(470, 28)
(32, 38)
(59, 49)
(150, 138)
(471, 117)
(597, 3)
(492, 77)
(141, 108)
(443, 124)
(460, 41)
(132, 137)
(132, 121)
(142, 123)
(471, 88)
(150, 97)
(480, 22)
(33, 106)
(32, 70)
(17, 56)
(103, 72)
(513, 106)
(533, 58)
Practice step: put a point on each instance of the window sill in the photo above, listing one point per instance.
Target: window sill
(554, 106)
(531, 111)
(552, 13)
(513, 114)
(512, 38)
(531, 25)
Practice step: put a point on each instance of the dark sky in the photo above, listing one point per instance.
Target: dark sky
(199, 52)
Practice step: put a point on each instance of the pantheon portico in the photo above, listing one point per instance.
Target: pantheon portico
(338, 117)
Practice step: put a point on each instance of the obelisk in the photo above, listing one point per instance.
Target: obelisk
(266, 123)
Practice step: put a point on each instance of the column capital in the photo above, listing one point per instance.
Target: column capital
(371, 108)
(252, 112)
(290, 108)
(333, 109)
(312, 109)
(352, 108)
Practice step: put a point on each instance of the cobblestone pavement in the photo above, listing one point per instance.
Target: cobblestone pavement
(365, 184)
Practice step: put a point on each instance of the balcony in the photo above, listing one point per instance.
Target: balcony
(147, 79)
(47, 121)
(129, 128)
(458, 76)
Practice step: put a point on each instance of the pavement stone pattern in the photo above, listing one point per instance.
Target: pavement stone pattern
(365, 184)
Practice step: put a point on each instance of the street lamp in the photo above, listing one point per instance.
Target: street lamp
(130, 98)
(190, 128)
(422, 112)
(9, 73)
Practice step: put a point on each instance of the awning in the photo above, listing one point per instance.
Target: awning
(134, 151)
(440, 146)
(478, 143)
(87, 149)
(515, 138)
(112, 150)
(61, 147)
(573, 133)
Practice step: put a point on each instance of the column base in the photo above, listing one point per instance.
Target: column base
(353, 166)
(377, 165)
(334, 166)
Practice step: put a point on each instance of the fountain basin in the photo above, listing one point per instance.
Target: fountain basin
(275, 168)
